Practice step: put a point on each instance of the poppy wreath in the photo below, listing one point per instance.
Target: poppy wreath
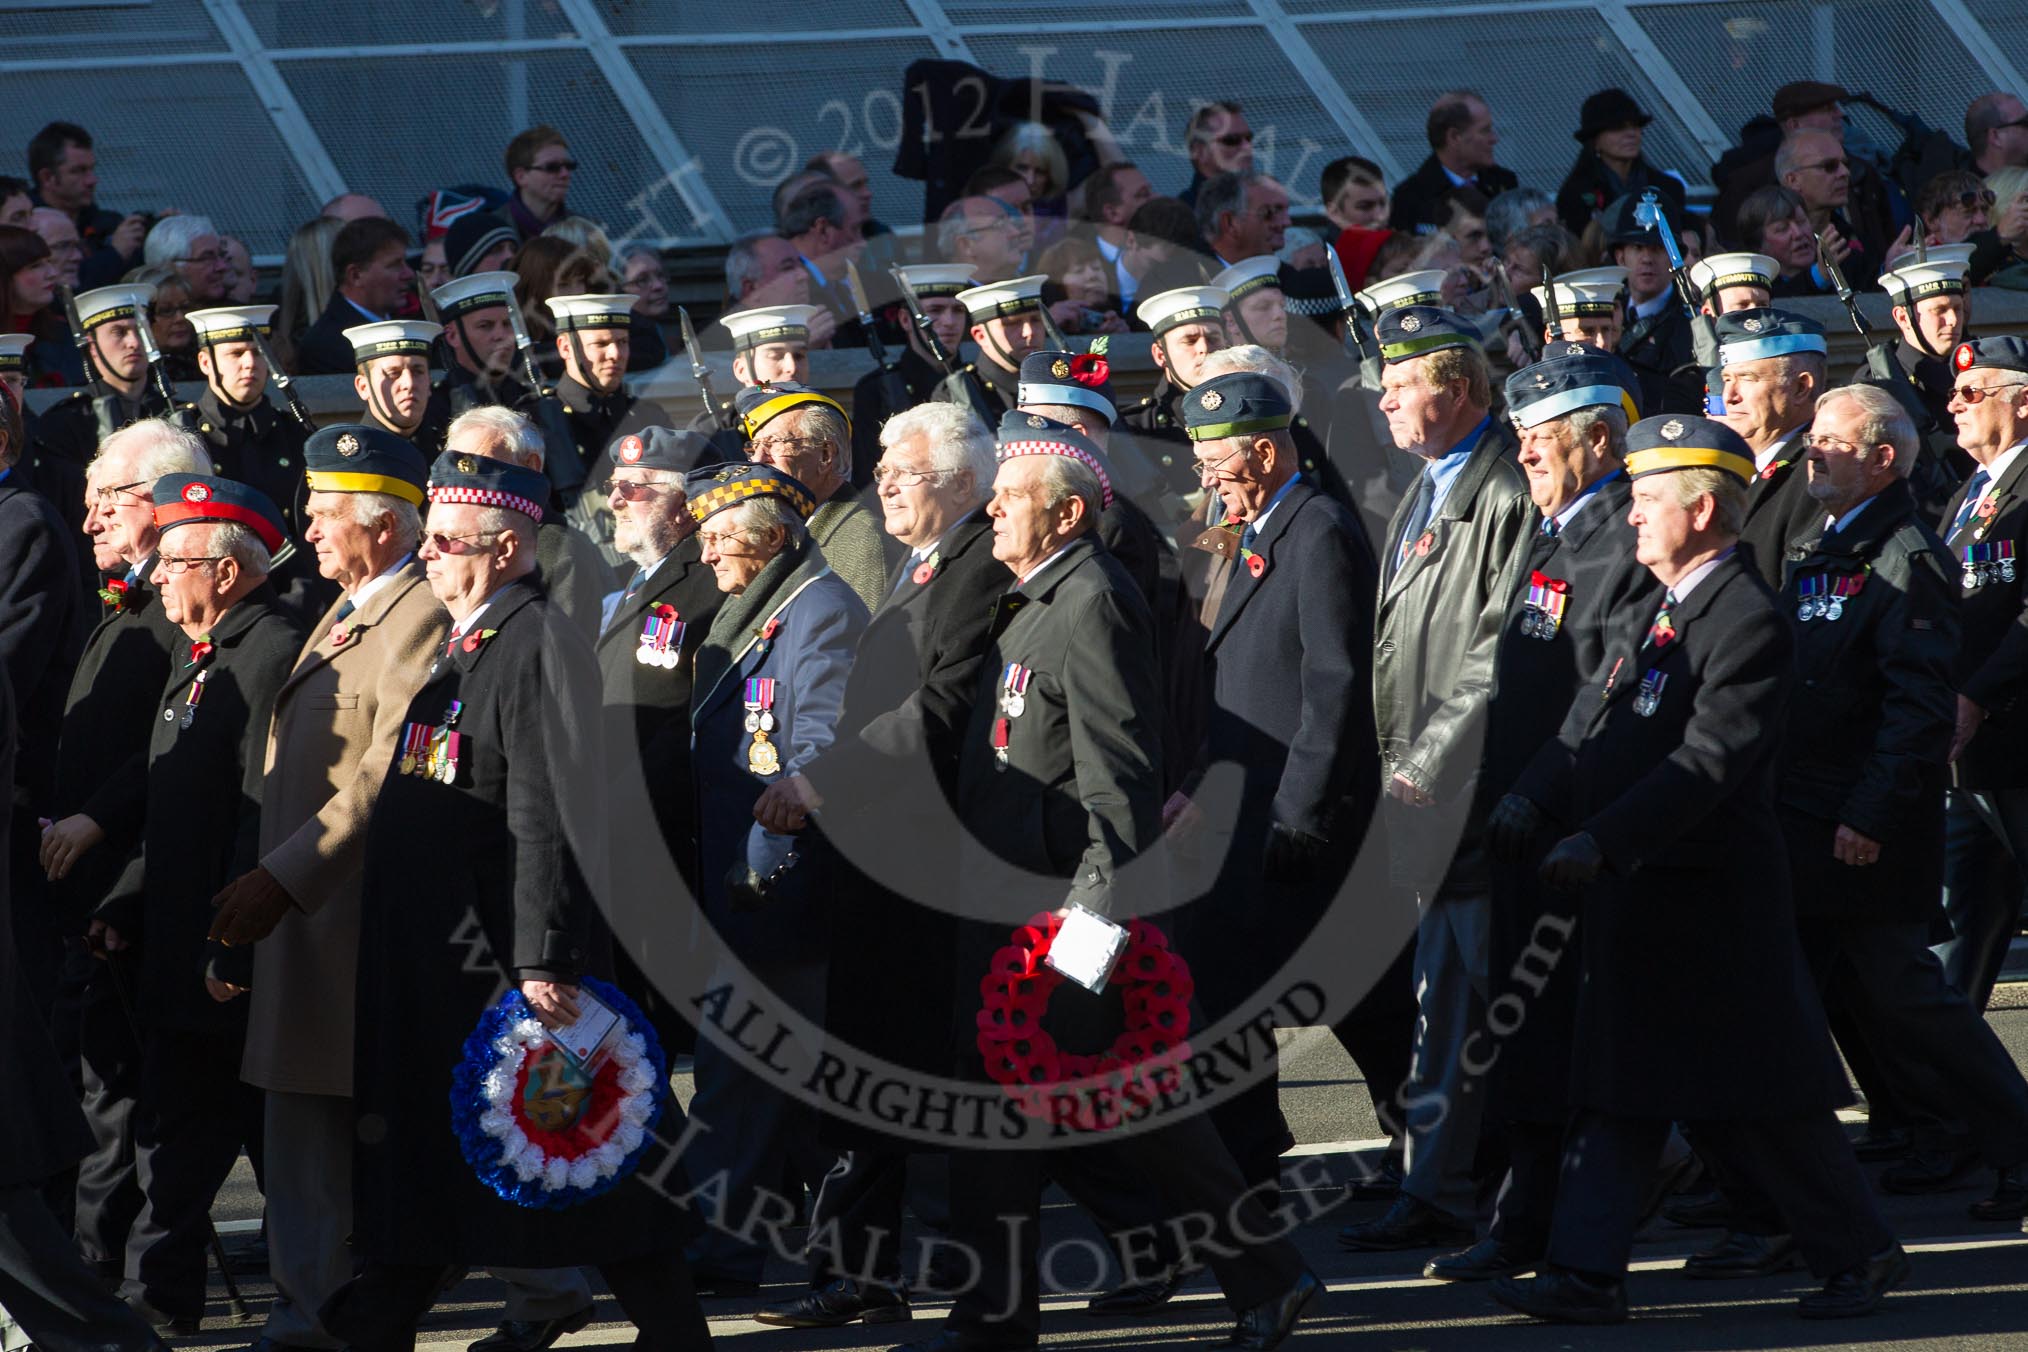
(539, 1130)
(1084, 1091)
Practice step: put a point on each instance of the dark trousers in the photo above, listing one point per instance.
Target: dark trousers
(108, 1190)
(377, 1311)
(1985, 846)
(1804, 1164)
(1527, 1195)
(996, 1201)
(51, 1292)
(191, 1118)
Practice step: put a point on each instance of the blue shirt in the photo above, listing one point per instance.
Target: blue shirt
(1443, 473)
(1252, 528)
(1563, 517)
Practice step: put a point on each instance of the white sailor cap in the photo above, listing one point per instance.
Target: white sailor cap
(232, 323)
(1914, 281)
(14, 352)
(480, 291)
(1712, 275)
(107, 303)
(1250, 275)
(944, 280)
(1410, 288)
(592, 312)
(1587, 293)
(1016, 296)
(1951, 253)
(1168, 310)
(391, 338)
(770, 324)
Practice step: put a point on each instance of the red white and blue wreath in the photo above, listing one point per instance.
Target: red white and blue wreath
(540, 1129)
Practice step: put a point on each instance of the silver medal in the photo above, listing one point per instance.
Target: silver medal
(1803, 611)
(767, 721)
(1015, 704)
(2006, 570)
(1836, 610)
(753, 721)
(670, 657)
(645, 655)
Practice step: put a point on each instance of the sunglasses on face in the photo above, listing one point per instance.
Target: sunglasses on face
(555, 167)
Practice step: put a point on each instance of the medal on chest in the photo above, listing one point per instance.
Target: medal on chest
(1013, 702)
(1649, 697)
(1823, 597)
(661, 638)
(191, 700)
(432, 750)
(762, 757)
(1547, 598)
(1985, 563)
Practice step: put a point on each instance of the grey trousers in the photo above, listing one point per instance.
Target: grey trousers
(309, 1214)
(1443, 1098)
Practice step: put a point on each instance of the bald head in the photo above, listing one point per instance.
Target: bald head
(1812, 165)
(352, 206)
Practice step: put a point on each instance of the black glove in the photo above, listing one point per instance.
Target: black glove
(1512, 828)
(745, 889)
(1293, 858)
(1574, 864)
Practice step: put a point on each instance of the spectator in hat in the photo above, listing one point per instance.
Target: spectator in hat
(479, 241)
(540, 167)
(1874, 207)
(1610, 128)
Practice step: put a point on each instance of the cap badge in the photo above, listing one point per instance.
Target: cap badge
(630, 449)
(1672, 429)
(196, 492)
(1059, 368)
(1037, 420)
(1211, 399)
(1409, 323)
(1751, 325)
(346, 445)
(1541, 382)
(467, 465)
(1574, 350)
(1964, 357)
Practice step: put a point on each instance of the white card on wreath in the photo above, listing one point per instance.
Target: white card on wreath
(1086, 948)
(586, 1037)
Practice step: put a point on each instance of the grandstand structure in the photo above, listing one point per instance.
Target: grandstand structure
(683, 114)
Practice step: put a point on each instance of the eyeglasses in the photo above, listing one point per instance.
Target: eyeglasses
(783, 445)
(633, 490)
(172, 563)
(209, 259)
(1974, 395)
(1232, 140)
(105, 496)
(716, 540)
(1837, 444)
(160, 311)
(442, 543)
(1207, 468)
(884, 475)
(1972, 201)
(1827, 166)
(556, 167)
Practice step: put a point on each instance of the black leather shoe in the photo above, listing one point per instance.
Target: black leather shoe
(1929, 1169)
(1267, 1325)
(1134, 1299)
(1858, 1290)
(1382, 1185)
(168, 1325)
(718, 1286)
(2009, 1201)
(838, 1303)
(531, 1335)
(1887, 1143)
(1698, 1210)
(1742, 1255)
(1408, 1224)
(1481, 1263)
(1563, 1297)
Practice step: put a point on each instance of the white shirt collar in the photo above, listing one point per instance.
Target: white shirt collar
(1848, 518)
(367, 589)
(1762, 459)
(1649, 308)
(2002, 461)
(1690, 581)
(1037, 570)
(462, 627)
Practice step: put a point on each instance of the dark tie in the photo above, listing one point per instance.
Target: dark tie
(1551, 527)
(1247, 537)
(1663, 630)
(1418, 517)
(1975, 487)
(640, 580)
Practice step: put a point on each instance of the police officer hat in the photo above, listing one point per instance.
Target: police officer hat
(1569, 377)
(713, 490)
(1676, 441)
(356, 458)
(1418, 330)
(1236, 404)
(1033, 434)
(1751, 335)
(1622, 226)
(188, 499)
(666, 448)
(1082, 379)
(481, 481)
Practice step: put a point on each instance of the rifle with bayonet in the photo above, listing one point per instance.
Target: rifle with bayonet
(975, 393)
(1353, 314)
(105, 403)
(721, 416)
(285, 383)
(1515, 321)
(158, 376)
(1703, 328)
(1836, 274)
(561, 458)
(893, 389)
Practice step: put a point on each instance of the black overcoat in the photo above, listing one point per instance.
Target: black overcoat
(1992, 665)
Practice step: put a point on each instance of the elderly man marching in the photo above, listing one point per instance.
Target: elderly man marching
(336, 723)
(1695, 1004)
(770, 680)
